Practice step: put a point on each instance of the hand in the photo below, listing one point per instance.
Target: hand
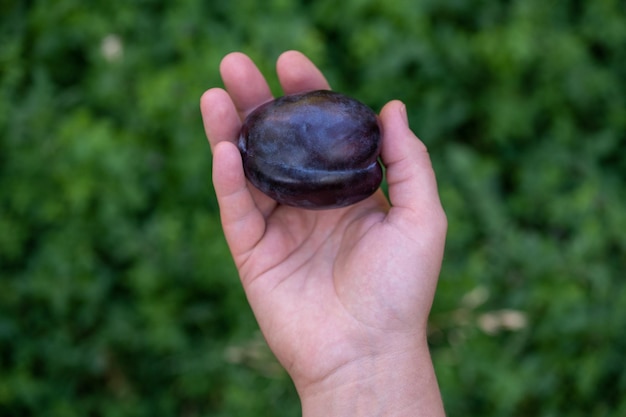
(342, 296)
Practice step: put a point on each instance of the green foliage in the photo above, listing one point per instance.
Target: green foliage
(117, 293)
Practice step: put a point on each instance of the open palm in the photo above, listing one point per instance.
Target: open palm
(330, 288)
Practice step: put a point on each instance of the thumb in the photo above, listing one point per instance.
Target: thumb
(409, 172)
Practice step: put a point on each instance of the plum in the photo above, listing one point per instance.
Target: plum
(314, 150)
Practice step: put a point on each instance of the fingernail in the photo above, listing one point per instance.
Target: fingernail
(403, 114)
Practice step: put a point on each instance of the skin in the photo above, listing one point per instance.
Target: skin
(341, 296)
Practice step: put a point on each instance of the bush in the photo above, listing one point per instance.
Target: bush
(117, 292)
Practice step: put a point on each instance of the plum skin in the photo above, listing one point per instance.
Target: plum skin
(314, 150)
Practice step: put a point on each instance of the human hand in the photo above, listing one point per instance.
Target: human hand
(342, 296)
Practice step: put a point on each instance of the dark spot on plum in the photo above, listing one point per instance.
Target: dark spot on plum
(314, 150)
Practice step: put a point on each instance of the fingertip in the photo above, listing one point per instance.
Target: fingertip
(219, 116)
(396, 122)
(211, 96)
(244, 82)
(233, 59)
(290, 58)
(233, 67)
(297, 73)
(290, 54)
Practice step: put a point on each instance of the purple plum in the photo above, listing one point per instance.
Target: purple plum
(314, 150)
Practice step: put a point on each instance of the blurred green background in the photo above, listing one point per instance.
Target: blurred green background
(117, 293)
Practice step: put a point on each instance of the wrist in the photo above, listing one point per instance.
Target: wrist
(400, 383)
